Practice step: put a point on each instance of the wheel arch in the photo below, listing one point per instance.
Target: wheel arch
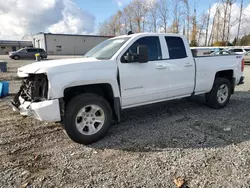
(104, 89)
(228, 74)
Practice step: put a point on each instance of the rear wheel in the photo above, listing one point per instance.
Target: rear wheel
(87, 118)
(220, 94)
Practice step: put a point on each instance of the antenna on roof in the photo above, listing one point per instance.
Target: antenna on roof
(130, 33)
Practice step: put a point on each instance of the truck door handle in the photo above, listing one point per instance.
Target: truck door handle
(188, 65)
(161, 67)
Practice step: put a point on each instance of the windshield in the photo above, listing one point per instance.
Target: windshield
(106, 49)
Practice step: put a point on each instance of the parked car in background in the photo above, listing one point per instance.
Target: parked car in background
(247, 57)
(200, 51)
(216, 49)
(247, 49)
(27, 53)
(237, 50)
(224, 52)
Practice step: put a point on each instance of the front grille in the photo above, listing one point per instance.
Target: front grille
(33, 89)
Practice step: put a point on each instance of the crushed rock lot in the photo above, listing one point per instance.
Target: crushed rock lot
(149, 148)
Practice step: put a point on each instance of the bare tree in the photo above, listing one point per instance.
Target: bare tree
(117, 22)
(153, 14)
(207, 25)
(218, 24)
(201, 28)
(139, 11)
(186, 3)
(226, 4)
(141, 15)
(176, 17)
(194, 30)
(163, 14)
(108, 27)
(229, 20)
(127, 16)
(184, 28)
(240, 17)
(213, 30)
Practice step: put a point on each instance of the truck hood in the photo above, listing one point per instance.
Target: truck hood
(64, 65)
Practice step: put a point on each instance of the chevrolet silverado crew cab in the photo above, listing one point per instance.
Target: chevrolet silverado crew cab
(86, 94)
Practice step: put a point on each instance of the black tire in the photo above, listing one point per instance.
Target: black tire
(211, 97)
(72, 109)
(16, 57)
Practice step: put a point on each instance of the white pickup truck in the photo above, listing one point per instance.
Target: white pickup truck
(86, 94)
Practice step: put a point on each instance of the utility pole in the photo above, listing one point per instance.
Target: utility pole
(238, 33)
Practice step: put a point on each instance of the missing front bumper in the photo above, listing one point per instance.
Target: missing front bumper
(48, 110)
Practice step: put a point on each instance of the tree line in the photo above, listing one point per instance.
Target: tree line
(177, 16)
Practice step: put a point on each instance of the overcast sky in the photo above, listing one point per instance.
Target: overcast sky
(20, 17)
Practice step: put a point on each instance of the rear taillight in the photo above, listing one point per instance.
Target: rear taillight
(242, 65)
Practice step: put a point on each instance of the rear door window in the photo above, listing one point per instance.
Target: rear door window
(176, 47)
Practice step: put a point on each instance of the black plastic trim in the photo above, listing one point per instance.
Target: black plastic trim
(241, 80)
(62, 108)
(117, 108)
(233, 85)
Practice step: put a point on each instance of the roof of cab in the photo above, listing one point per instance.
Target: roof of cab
(149, 34)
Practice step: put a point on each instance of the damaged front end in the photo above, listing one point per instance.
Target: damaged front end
(32, 99)
(33, 89)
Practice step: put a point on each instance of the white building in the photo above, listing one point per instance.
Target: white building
(65, 44)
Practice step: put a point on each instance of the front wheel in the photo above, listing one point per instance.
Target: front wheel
(87, 118)
(220, 94)
(16, 57)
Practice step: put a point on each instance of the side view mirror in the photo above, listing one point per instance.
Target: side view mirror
(141, 56)
(129, 57)
(142, 52)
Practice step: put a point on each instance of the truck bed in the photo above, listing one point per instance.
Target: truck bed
(207, 66)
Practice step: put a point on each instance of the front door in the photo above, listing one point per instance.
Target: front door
(143, 82)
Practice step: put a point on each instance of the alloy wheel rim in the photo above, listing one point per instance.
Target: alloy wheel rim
(222, 93)
(90, 119)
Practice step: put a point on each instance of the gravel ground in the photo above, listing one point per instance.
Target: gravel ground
(150, 147)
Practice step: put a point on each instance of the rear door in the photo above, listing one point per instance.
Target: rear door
(143, 83)
(181, 70)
